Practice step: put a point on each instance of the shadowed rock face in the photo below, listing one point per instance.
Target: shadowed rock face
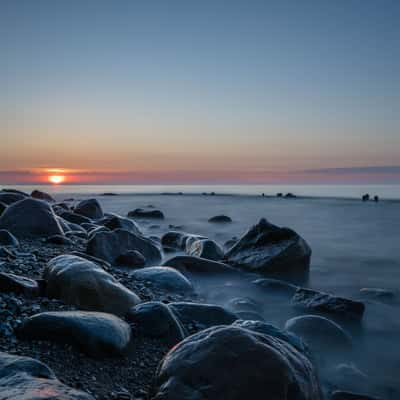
(141, 213)
(341, 395)
(37, 194)
(75, 218)
(89, 208)
(110, 245)
(30, 218)
(83, 283)
(7, 239)
(220, 219)
(7, 197)
(94, 333)
(271, 250)
(235, 364)
(18, 284)
(24, 378)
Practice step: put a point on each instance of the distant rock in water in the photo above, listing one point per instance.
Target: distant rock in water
(37, 194)
(220, 219)
(268, 249)
(89, 208)
(365, 197)
(145, 214)
(340, 307)
(290, 196)
(234, 364)
(30, 217)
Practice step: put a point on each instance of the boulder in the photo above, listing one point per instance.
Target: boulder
(341, 395)
(110, 245)
(141, 213)
(89, 208)
(173, 240)
(322, 335)
(232, 363)
(24, 378)
(30, 217)
(202, 315)
(155, 319)
(132, 258)
(7, 239)
(11, 197)
(319, 302)
(205, 248)
(75, 218)
(164, 278)
(114, 222)
(95, 333)
(268, 249)
(37, 194)
(83, 283)
(18, 284)
(276, 286)
(196, 265)
(220, 219)
(59, 240)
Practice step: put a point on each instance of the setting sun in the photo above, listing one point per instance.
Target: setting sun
(56, 179)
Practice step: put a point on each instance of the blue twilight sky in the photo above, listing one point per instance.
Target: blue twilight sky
(200, 91)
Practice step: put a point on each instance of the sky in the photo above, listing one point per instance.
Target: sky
(200, 91)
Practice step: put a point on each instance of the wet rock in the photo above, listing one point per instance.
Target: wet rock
(86, 285)
(110, 245)
(164, 278)
(322, 335)
(132, 258)
(202, 315)
(59, 240)
(312, 300)
(206, 248)
(220, 219)
(24, 378)
(89, 208)
(341, 395)
(141, 213)
(30, 217)
(7, 239)
(230, 243)
(94, 333)
(271, 250)
(95, 230)
(276, 286)
(18, 284)
(173, 240)
(114, 222)
(37, 194)
(11, 197)
(74, 218)
(196, 265)
(102, 263)
(235, 364)
(155, 319)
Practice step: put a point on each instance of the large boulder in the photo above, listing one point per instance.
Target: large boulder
(7, 197)
(179, 241)
(18, 284)
(75, 218)
(197, 265)
(114, 222)
(24, 378)
(320, 302)
(110, 245)
(202, 315)
(232, 363)
(268, 249)
(141, 213)
(206, 248)
(7, 238)
(89, 208)
(164, 278)
(155, 319)
(30, 217)
(37, 194)
(94, 333)
(83, 283)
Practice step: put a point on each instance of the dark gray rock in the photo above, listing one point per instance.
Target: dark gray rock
(18, 284)
(141, 213)
(155, 319)
(37, 194)
(164, 278)
(196, 265)
(94, 333)
(75, 218)
(7, 239)
(341, 395)
(276, 286)
(205, 248)
(11, 197)
(271, 250)
(24, 378)
(30, 217)
(202, 315)
(173, 240)
(110, 245)
(3, 206)
(220, 219)
(312, 300)
(89, 208)
(234, 364)
(114, 222)
(83, 283)
(59, 240)
(132, 258)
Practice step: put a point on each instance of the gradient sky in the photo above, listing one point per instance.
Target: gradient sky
(200, 91)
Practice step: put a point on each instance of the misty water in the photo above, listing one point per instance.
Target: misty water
(355, 245)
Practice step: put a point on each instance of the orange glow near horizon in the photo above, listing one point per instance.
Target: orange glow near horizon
(56, 179)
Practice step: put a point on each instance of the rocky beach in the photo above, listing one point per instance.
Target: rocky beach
(196, 297)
